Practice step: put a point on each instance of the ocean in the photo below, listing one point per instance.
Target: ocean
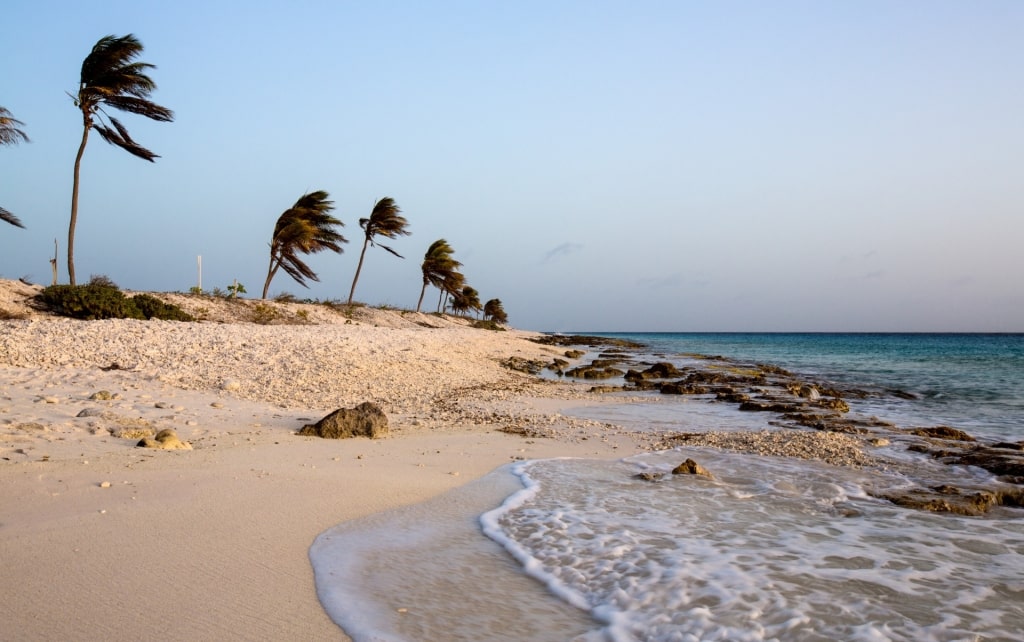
(771, 548)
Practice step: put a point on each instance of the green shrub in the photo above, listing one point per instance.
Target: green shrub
(153, 308)
(101, 299)
(96, 300)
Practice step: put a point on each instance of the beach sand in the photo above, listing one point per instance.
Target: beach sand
(100, 539)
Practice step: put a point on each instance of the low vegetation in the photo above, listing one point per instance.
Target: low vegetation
(102, 299)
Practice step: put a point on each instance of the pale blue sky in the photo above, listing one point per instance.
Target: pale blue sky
(820, 166)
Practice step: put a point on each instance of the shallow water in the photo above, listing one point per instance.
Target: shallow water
(771, 549)
(425, 572)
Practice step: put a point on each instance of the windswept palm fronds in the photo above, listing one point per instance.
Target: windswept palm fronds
(438, 267)
(385, 220)
(112, 77)
(495, 311)
(465, 300)
(305, 228)
(10, 134)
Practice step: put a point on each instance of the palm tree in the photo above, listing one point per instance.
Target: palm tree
(10, 134)
(385, 220)
(305, 228)
(451, 286)
(111, 78)
(465, 300)
(438, 266)
(495, 311)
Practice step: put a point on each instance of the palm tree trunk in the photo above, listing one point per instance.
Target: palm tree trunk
(422, 292)
(74, 200)
(359, 268)
(271, 271)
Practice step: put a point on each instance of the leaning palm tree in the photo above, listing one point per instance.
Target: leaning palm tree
(438, 266)
(495, 311)
(465, 300)
(385, 220)
(10, 134)
(304, 228)
(112, 78)
(452, 285)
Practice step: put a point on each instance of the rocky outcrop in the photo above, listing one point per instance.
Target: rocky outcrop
(364, 420)
(942, 432)
(591, 372)
(949, 499)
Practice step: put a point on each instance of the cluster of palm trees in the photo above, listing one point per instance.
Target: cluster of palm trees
(112, 78)
(307, 227)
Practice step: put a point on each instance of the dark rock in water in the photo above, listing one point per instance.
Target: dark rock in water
(600, 389)
(650, 477)
(942, 432)
(690, 467)
(661, 370)
(834, 404)
(762, 406)
(558, 364)
(574, 354)
(950, 499)
(902, 394)
(995, 460)
(1009, 445)
(682, 388)
(365, 420)
(590, 372)
(732, 397)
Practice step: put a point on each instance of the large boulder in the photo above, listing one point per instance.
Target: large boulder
(365, 420)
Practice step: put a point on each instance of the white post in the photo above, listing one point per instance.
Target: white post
(199, 261)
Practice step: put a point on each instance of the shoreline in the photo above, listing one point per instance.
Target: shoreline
(104, 540)
(215, 542)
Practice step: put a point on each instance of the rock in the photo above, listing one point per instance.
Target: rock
(649, 477)
(809, 392)
(574, 354)
(230, 385)
(364, 420)
(101, 395)
(682, 388)
(690, 467)
(529, 366)
(590, 372)
(834, 403)
(166, 439)
(942, 432)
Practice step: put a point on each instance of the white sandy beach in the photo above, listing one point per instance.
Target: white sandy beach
(103, 540)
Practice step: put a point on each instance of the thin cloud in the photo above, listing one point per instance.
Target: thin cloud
(565, 249)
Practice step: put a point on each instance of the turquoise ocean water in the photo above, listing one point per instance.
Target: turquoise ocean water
(771, 549)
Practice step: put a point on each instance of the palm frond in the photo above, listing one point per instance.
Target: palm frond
(6, 216)
(10, 134)
(119, 137)
(385, 220)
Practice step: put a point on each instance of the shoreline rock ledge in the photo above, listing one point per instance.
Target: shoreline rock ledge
(364, 420)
